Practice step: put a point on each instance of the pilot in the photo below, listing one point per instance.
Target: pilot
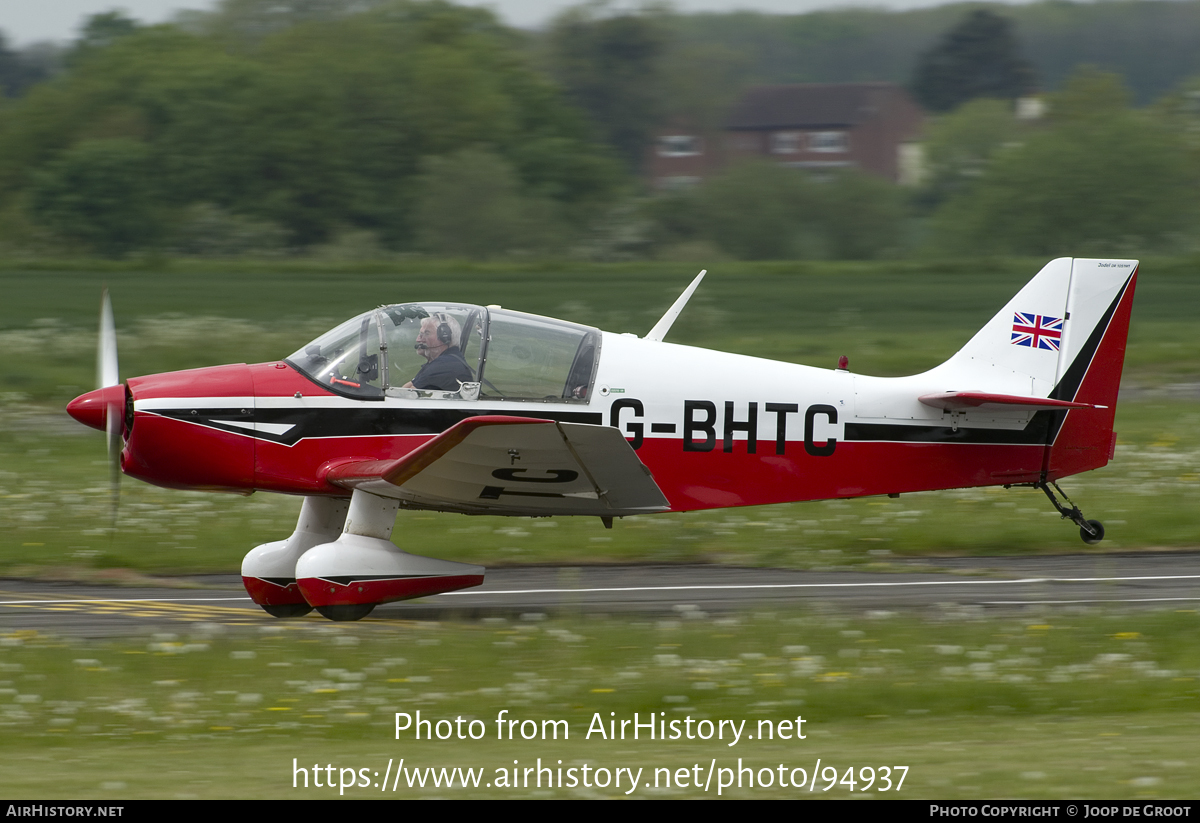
(437, 342)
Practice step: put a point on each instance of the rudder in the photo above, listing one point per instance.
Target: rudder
(1091, 357)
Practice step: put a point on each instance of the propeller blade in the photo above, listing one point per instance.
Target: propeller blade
(106, 354)
(114, 423)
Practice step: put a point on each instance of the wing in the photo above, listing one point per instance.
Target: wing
(494, 464)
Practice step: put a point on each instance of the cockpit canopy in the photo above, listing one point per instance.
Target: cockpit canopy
(453, 351)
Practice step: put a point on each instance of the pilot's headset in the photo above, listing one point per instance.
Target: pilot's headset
(448, 330)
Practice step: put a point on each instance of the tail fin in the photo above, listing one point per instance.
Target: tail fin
(1063, 338)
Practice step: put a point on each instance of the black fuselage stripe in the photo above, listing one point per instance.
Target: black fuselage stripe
(371, 421)
(1034, 433)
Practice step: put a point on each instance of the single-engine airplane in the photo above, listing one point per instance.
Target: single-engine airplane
(482, 410)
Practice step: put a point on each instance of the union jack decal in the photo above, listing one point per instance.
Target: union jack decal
(1036, 331)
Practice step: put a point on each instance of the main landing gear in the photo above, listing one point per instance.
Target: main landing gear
(1090, 531)
(341, 561)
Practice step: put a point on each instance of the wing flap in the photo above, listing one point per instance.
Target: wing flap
(495, 464)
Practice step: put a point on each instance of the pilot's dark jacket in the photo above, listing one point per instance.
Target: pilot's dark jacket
(444, 372)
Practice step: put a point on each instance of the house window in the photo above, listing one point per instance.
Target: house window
(679, 145)
(786, 142)
(828, 141)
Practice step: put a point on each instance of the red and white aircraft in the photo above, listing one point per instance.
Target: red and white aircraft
(482, 410)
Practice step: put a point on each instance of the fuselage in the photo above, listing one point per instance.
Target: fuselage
(715, 429)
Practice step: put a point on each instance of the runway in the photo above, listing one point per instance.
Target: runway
(1112, 581)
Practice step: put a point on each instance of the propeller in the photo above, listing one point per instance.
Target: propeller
(105, 407)
(114, 418)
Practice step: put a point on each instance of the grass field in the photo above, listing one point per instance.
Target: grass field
(1072, 705)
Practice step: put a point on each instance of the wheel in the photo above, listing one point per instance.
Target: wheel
(346, 613)
(1092, 539)
(288, 610)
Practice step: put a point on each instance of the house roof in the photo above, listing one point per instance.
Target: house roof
(810, 105)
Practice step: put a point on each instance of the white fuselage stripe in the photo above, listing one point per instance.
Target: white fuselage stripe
(277, 429)
(169, 403)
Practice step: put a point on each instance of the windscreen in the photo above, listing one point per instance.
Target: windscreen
(346, 358)
(427, 346)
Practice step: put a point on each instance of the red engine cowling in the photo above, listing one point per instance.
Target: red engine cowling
(184, 429)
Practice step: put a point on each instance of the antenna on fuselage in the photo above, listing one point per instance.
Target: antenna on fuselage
(664, 325)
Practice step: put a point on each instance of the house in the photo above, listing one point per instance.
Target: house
(869, 126)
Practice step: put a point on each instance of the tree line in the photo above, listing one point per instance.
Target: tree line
(417, 126)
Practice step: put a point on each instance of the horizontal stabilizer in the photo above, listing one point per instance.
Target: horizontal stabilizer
(965, 400)
(496, 464)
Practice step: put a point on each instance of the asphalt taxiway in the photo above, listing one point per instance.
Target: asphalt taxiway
(1111, 581)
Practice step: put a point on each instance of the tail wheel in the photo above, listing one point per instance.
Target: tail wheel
(1092, 539)
(1090, 531)
(288, 610)
(346, 613)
